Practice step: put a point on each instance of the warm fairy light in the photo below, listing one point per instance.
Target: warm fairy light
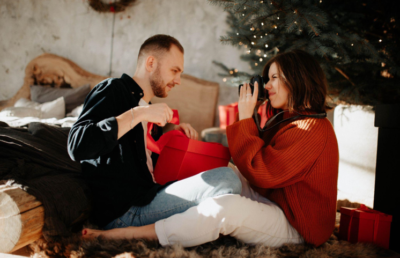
(236, 70)
(245, 7)
(242, 14)
(295, 22)
(262, 24)
(240, 43)
(352, 44)
(261, 59)
(278, 18)
(245, 46)
(224, 80)
(231, 72)
(237, 33)
(255, 36)
(261, 37)
(276, 27)
(252, 28)
(252, 43)
(266, 34)
(383, 64)
(248, 51)
(255, 64)
(266, 45)
(380, 40)
(265, 55)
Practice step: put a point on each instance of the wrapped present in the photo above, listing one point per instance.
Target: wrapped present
(365, 225)
(227, 114)
(181, 157)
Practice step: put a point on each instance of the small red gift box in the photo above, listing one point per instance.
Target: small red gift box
(227, 114)
(365, 225)
(182, 157)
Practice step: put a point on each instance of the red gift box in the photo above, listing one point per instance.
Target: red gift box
(182, 157)
(365, 225)
(227, 114)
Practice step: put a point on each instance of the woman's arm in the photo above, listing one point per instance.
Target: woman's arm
(286, 160)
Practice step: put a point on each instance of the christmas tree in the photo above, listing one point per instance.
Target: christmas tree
(354, 41)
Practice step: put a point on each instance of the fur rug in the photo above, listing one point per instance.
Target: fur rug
(225, 246)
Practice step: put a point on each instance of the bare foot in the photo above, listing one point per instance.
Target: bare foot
(144, 232)
(116, 233)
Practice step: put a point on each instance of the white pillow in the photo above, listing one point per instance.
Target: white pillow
(52, 109)
(76, 111)
(20, 112)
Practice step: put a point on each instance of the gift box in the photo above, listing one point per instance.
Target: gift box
(227, 114)
(365, 225)
(182, 157)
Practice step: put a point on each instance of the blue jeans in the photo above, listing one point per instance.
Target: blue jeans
(180, 196)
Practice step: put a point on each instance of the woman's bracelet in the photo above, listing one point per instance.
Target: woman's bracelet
(132, 117)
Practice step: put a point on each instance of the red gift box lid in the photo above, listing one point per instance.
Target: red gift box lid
(365, 214)
(205, 148)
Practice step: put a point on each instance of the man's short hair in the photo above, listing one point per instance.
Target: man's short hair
(158, 45)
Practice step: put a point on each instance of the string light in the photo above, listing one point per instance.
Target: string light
(255, 36)
(276, 27)
(224, 80)
(352, 44)
(278, 17)
(231, 72)
(237, 33)
(260, 36)
(262, 24)
(248, 51)
(265, 55)
(240, 43)
(245, 46)
(380, 40)
(236, 70)
(295, 22)
(266, 45)
(255, 64)
(320, 1)
(252, 43)
(261, 2)
(266, 34)
(245, 7)
(261, 59)
(242, 14)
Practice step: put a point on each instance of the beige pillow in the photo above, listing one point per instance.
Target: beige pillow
(52, 109)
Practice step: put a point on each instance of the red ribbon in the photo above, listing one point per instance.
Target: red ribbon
(159, 145)
(366, 209)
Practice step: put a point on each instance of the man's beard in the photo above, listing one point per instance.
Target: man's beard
(156, 83)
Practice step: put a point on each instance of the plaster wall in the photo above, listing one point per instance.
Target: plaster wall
(107, 43)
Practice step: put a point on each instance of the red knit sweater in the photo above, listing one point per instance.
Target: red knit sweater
(294, 165)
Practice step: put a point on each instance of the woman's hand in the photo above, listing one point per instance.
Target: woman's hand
(188, 130)
(247, 101)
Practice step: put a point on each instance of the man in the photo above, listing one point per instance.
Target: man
(109, 139)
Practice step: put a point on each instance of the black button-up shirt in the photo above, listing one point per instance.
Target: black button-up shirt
(115, 170)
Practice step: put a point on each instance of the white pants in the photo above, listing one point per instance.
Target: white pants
(248, 217)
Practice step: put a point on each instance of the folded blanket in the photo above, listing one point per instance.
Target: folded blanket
(36, 158)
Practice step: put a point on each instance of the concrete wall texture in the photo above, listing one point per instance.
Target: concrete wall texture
(72, 29)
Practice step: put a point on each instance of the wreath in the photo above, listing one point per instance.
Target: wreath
(114, 7)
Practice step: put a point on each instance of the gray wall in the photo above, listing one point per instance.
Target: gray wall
(72, 29)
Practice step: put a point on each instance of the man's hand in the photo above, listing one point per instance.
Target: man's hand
(188, 130)
(159, 114)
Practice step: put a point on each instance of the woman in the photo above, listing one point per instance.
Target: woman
(288, 173)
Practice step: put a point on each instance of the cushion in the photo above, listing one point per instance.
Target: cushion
(52, 109)
(76, 112)
(20, 112)
(72, 97)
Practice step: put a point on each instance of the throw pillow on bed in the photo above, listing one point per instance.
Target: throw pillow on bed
(20, 112)
(52, 109)
(73, 97)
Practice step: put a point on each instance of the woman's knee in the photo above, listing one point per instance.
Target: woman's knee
(223, 178)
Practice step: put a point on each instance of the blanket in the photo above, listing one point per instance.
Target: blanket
(36, 159)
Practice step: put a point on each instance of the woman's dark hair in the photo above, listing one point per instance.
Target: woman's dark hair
(304, 79)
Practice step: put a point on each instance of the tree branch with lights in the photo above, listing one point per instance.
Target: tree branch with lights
(355, 42)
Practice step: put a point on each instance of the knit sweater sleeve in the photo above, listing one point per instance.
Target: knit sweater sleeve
(284, 161)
